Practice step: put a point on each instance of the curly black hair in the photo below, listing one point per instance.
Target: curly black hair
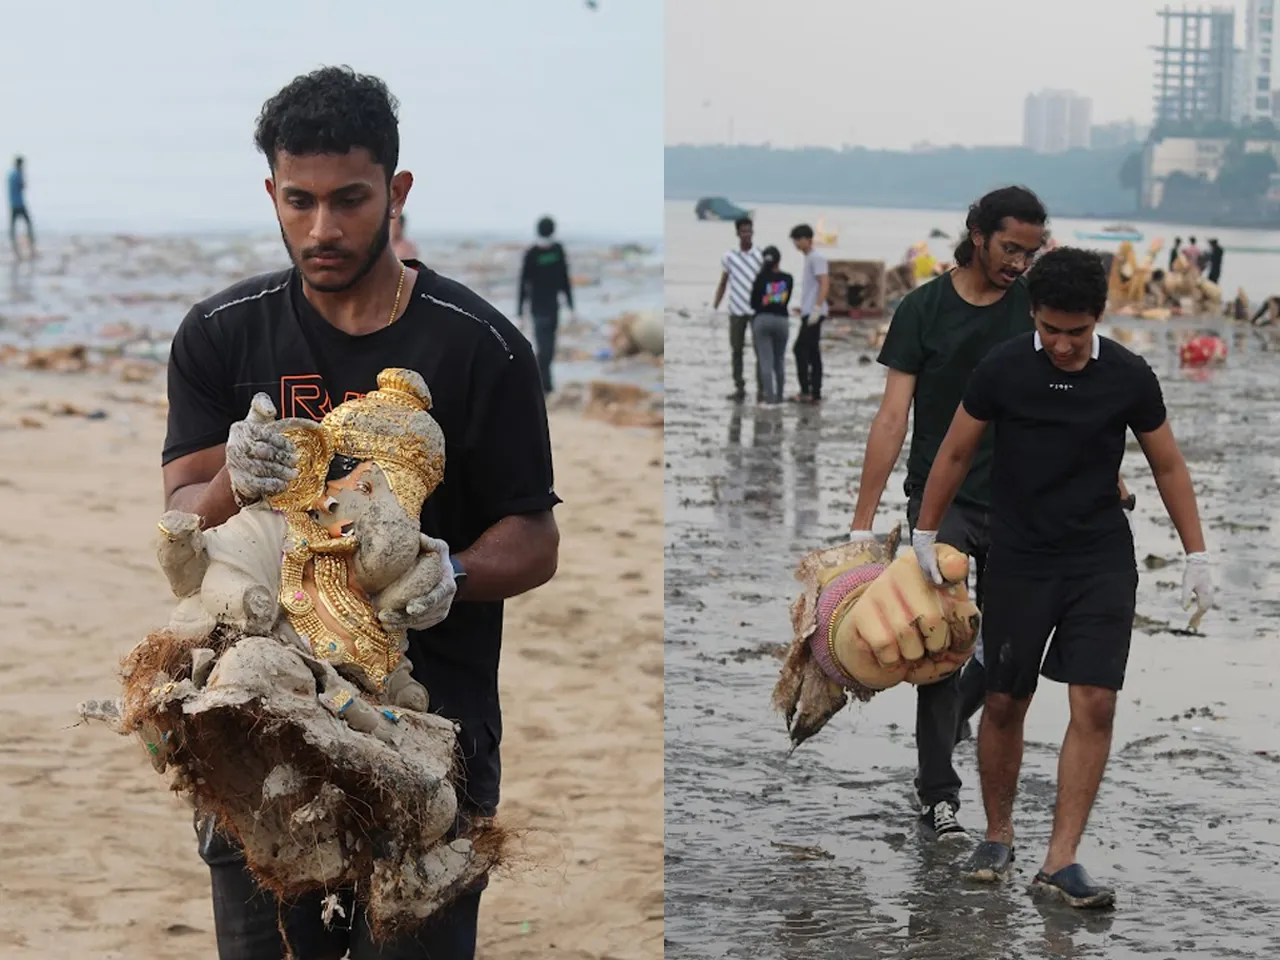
(989, 213)
(331, 110)
(1070, 280)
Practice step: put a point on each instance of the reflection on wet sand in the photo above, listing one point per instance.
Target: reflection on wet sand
(819, 855)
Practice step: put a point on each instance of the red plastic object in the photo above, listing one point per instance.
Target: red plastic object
(1203, 351)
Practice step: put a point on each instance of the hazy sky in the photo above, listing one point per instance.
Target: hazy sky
(139, 113)
(890, 73)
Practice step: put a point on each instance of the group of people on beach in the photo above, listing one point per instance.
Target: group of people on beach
(760, 296)
(1021, 414)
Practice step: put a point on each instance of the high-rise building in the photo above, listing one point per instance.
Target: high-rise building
(1259, 30)
(1196, 66)
(1055, 121)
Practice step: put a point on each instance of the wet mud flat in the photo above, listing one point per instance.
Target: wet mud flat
(819, 855)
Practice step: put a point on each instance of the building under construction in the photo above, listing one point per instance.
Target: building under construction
(1196, 66)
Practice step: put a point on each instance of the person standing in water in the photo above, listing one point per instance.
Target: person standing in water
(1214, 266)
(1062, 400)
(544, 278)
(770, 327)
(404, 248)
(739, 268)
(18, 208)
(812, 311)
(938, 334)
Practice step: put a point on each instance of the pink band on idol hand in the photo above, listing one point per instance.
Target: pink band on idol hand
(829, 601)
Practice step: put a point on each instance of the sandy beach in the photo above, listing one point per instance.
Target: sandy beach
(100, 860)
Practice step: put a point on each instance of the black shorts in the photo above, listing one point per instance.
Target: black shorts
(1090, 618)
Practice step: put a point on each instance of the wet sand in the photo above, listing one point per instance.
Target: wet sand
(100, 860)
(819, 855)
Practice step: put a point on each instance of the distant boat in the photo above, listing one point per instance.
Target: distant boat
(1115, 232)
(718, 208)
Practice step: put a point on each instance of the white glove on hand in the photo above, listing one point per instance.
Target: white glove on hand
(260, 459)
(425, 612)
(861, 536)
(923, 542)
(1197, 582)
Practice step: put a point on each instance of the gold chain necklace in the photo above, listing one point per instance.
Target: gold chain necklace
(399, 289)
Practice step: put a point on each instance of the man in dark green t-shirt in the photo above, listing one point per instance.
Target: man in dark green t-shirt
(939, 333)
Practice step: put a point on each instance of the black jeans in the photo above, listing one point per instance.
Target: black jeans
(248, 919)
(940, 706)
(544, 344)
(16, 214)
(808, 354)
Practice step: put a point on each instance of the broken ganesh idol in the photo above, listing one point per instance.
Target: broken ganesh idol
(279, 697)
(866, 622)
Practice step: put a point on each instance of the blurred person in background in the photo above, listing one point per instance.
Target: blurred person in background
(404, 248)
(544, 278)
(812, 311)
(18, 208)
(770, 327)
(739, 268)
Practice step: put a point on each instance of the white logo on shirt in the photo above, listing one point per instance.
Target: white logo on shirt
(1061, 386)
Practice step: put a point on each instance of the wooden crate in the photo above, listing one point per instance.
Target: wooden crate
(865, 279)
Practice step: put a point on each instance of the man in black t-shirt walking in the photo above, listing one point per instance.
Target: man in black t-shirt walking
(1062, 400)
(939, 333)
(301, 340)
(544, 279)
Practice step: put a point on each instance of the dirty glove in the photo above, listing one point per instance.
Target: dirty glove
(424, 612)
(261, 460)
(924, 543)
(1197, 583)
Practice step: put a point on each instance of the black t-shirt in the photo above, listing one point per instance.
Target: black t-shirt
(940, 337)
(772, 292)
(1059, 441)
(262, 335)
(544, 275)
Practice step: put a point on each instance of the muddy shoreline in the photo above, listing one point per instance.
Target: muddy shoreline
(819, 855)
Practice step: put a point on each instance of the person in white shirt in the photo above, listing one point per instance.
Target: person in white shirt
(739, 268)
(812, 311)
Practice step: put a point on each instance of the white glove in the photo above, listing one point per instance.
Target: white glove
(923, 542)
(260, 459)
(1197, 582)
(861, 536)
(425, 612)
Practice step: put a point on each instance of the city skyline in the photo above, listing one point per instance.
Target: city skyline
(941, 55)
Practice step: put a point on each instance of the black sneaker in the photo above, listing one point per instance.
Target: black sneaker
(1075, 887)
(941, 819)
(990, 862)
(738, 396)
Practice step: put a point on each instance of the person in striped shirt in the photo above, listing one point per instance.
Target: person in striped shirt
(739, 268)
